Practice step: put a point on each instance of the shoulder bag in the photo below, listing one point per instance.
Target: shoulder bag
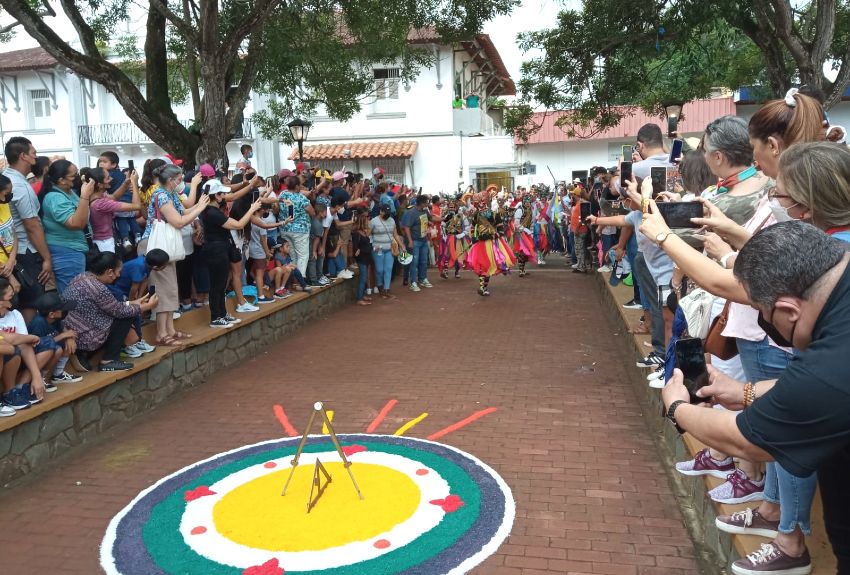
(165, 237)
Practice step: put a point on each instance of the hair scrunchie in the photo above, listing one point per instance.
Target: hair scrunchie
(789, 97)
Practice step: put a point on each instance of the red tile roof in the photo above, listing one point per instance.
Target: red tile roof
(28, 59)
(357, 151)
(697, 115)
(508, 88)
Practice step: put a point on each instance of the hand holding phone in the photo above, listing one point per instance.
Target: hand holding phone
(690, 359)
(131, 166)
(151, 290)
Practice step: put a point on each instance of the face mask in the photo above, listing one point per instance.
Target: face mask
(774, 333)
(780, 213)
(250, 155)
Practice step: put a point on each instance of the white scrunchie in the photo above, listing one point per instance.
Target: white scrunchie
(789, 97)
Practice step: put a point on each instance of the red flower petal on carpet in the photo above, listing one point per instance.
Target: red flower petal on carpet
(270, 567)
(197, 493)
(350, 450)
(449, 504)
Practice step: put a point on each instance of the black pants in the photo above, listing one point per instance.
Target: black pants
(184, 277)
(115, 340)
(218, 263)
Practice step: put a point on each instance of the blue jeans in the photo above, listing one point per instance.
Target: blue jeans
(67, 264)
(127, 228)
(419, 266)
(649, 292)
(631, 254)
(336, 264)
(794, 495)
(607, 244)
(383, 267)
(361, 279)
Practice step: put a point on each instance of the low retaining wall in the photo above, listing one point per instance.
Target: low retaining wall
(35, 440)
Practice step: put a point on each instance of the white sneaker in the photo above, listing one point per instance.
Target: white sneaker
(345, 274)
(246, 308)
(324, 280)
(658, 382)
(604, 269)
(6, 411)
(131, 351)
(656, 374)
(177, 315)
(414, 287)
(144, 346)
(574, 266)
(426, 284)
(368, 291)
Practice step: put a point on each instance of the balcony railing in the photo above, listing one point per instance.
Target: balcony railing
(128, 133)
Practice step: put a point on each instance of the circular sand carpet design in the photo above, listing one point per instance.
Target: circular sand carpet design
(428, 509)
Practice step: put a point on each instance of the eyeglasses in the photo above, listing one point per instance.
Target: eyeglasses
(773, 193)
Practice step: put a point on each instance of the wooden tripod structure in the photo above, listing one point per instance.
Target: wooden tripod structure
(318, 408)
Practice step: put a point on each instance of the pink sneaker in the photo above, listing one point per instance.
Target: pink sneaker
(738, 488)
(704, 464)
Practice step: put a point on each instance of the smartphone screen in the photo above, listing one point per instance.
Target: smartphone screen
(625, 173)
(673, 178)
(151, 290)
(255, 195)
(658, 174)
(676, 151)
(679, 214)
(626, 153)
(584, 210)
(290, 209)
(690, 358)
(131, 166)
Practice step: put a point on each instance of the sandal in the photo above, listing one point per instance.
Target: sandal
(178, 335)
(167, 341)
(363, 302)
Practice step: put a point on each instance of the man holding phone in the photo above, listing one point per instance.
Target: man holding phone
(801, 420)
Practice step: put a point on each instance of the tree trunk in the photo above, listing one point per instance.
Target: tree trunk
(192, 65)
(156, 62)
(214, 129)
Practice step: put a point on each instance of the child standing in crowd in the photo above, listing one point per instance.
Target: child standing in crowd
(283, 257)
(316, 264)
(580, 233)
(361, 245)
(53, 337)
(127, 230)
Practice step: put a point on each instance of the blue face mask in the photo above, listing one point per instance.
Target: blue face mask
(250, 155)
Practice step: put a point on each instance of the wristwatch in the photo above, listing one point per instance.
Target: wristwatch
(661, 236)
(671, 411)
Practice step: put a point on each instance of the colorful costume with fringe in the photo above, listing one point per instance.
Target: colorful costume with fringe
(490, 253)
(523, 240)
(455, 242)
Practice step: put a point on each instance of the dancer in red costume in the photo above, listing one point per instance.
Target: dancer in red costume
(455, 239)
(522, 239)
(490, 253)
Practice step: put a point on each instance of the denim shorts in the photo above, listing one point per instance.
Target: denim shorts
(47, 343)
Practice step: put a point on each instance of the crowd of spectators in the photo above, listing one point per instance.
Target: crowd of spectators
(760, 283)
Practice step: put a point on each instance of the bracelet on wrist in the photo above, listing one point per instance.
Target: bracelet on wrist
(749, 394)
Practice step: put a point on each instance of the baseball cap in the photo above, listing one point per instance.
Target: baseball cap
(338, 176)
(378, 172)
(51, 301)
(285, 173)
(174, 160)
(214, 187)
(207, 170)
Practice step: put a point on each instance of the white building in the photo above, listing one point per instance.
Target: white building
(413, 132)
(410, 130)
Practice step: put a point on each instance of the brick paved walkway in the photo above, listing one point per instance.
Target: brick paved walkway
(568, 436)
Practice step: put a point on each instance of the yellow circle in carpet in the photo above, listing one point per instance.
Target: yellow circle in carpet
(255, 514)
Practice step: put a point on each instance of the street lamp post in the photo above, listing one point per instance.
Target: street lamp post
(299, 129)
(673, 111)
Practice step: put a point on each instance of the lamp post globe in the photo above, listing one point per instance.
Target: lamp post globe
(299, 129)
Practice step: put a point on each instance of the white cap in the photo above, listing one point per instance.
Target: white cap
(213, 187)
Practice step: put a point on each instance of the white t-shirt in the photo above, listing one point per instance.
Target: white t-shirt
(13, 322)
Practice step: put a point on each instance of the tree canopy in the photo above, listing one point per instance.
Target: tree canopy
(612, 56)
(305, 53)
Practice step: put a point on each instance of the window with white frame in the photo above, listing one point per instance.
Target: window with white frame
(40, 109)
(386, 83)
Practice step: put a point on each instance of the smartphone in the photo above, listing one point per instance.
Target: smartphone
(690, 358)
(131, 166)
(676, 151)
(626, 152)
(625, 173)
(679, 214)
(658, 175)
(584, 210)
(673, 178)
(255, 195)
(290, 209)
(151, 290)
